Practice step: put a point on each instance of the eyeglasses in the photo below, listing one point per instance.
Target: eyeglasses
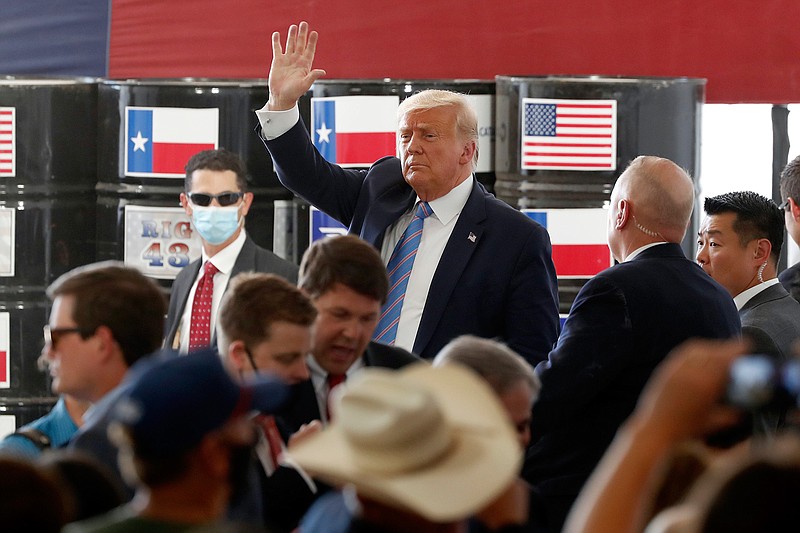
(52, 336)
(784, 205)
(224, 198)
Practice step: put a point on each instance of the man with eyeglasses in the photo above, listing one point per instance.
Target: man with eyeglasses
(790, 192)
(105, 317)
(217, 201)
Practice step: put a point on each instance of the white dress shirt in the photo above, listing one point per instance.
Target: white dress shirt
(745, 296)
(641, 249)
(436, 231)
(319, 378)
(224, 261)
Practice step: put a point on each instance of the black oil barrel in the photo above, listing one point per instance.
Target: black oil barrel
(369, 115)
(140, 219)
(545, 158)
(48, 135)
(364, 115)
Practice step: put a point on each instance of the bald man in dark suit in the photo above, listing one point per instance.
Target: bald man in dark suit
(622, 324)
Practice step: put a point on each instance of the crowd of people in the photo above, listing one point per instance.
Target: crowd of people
(412, 376)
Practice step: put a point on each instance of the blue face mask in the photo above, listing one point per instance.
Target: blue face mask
(215, 224)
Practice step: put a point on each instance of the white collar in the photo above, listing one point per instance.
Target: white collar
(226, 258)
(637, 251)
(745, 296)
(450, 205)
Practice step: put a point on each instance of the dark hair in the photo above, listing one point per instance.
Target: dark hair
(344, 259)
(221, 160)
(121, 298)
(151, 469)
(30, 499)
(790, 180)
(254, 301)
(93, 488)
(757, 217)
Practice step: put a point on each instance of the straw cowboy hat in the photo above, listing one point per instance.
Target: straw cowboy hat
(433, 441)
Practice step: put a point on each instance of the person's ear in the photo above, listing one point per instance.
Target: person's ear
(762, 251)
(237, 355)
(247, 201)
(105, 339)
(623, 214)
(468, 154)
(185, 203)
(794, 209)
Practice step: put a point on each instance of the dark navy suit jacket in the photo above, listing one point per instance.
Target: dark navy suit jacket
(622, 324)
(302, 408)
(496, 276)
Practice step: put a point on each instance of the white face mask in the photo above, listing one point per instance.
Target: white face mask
(216, 224)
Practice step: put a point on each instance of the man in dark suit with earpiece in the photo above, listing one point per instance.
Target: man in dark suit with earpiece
(623, 323)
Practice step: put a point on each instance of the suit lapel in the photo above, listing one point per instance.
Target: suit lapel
(459, 249)
(774, 292)
(246, 260)
(384, 211)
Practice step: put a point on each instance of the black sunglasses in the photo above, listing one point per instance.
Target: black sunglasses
(224, 198)
(53, 335)
(784, 205)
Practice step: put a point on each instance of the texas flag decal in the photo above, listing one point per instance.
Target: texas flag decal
(354, 131)
(159, 140)
(578, 237)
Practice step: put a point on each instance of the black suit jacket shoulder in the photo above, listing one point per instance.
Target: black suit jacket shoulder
(771, 320)
(303, 406)
(381, 355)
(622, 324)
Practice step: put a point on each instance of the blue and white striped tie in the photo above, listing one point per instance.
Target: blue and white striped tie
(399, 269)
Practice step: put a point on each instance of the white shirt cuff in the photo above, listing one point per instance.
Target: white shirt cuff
(276, 123)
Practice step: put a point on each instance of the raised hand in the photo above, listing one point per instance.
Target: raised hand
(291, 75)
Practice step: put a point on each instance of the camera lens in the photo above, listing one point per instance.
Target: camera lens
(753, 382)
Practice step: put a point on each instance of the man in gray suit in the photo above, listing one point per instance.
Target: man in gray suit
(790, 192)
(217, 200)
(739, 244)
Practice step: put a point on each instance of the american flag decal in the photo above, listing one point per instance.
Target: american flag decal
(569, 134)
(8, 144)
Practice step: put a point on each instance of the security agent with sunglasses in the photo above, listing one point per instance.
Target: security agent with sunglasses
(217, 200)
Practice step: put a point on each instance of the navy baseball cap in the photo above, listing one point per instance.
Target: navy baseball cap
(171, 404)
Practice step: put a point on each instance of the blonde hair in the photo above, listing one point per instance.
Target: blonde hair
(466, 117)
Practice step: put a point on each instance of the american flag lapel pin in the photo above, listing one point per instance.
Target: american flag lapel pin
(472, 237)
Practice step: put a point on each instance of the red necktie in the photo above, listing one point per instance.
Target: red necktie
(200, 329)
(273, 436)
(333, 381)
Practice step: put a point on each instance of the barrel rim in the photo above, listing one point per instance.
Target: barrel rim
(599, 78)
(182, 82)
